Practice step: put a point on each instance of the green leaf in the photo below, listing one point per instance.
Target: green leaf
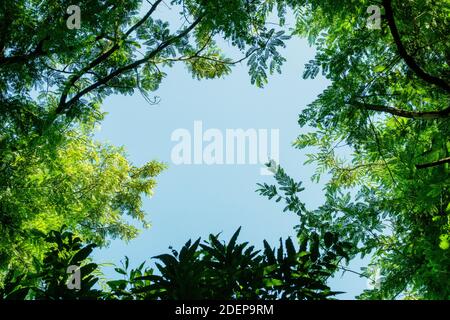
(82, 254)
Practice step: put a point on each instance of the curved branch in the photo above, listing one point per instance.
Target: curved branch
(62, 108)
(412, 64)
(103, 57)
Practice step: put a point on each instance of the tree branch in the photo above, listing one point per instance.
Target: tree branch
(412, 64)
(433, 164)
(144, 18)
(62, 108)
(101, 58)
(426, 115)
(37, 52)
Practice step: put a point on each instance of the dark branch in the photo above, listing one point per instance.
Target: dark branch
(147, 15)
(412, 64)
(37, 52)
(433, 164)
(62, 108)
(425, 115)
(103, 57)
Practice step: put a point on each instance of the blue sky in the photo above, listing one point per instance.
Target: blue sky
(194, 200)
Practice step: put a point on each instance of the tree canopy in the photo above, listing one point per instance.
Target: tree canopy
(387, 107)
(52, 83)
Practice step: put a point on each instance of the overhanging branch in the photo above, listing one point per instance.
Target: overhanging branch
(24, 58)
(433, 164)
(409, 60)
(64, 107)
(425, 115)
(100, 59)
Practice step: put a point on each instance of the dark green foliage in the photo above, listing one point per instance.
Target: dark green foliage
(215, 270)
(208, 270)
(50, 279)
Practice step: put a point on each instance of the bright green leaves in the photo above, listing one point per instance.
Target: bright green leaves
(444, 243)
(208, 63)
(83, 184)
